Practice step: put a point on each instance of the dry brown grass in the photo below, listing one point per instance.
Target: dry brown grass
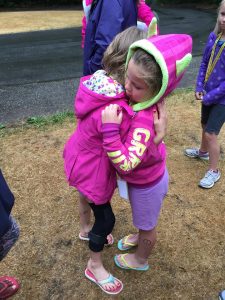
(49, 259)
(22, 21)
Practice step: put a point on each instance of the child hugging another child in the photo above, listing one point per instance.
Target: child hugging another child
(154, 68)
(87, 165)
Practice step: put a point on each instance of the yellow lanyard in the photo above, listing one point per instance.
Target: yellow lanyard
(212, 63)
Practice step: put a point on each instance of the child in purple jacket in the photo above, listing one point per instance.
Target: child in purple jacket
(106, 20)
(210, 90)
(144, 15)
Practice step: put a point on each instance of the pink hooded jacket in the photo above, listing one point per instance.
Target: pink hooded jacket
(145, 15)
(86, 164)
(130, 147)
(139, 161)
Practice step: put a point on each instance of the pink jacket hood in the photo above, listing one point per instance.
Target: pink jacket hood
(87, 101)
(173, 54)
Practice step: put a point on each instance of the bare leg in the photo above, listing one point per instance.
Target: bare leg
(146, 242)
(85, 216)
(214, 150)
(204, 142)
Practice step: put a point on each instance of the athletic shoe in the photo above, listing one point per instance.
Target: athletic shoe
(222, 295)
(196, 153)
(9, 238)
(209, 179)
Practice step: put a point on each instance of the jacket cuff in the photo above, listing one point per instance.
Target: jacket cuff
(110, 129)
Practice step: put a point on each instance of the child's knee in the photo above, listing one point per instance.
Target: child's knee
(97, 241)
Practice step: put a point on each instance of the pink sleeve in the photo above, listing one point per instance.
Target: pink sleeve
(125, 157)
(84, 24)
(145, 13)
(83, 29)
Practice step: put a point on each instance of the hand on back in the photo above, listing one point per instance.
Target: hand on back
(160, 122)
(199, 95)
(112, 114)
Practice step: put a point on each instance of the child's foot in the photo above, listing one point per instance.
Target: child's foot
(98, 274)
(84, 237)
(8, 286)
(196, 153)
(9, 238)
(128, 242)
(210, 178)
(129, 261)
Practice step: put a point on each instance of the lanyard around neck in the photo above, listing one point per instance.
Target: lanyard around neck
(212, 62)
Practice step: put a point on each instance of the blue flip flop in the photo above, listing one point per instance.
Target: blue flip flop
(124, 245)
(126, 266)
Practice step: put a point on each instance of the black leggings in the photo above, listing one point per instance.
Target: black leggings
(103, 226)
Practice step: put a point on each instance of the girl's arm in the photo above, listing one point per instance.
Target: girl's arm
(83, 30)
(145, 13)
(215, 95)
(204, 64)
(125, 157)
(160, 122)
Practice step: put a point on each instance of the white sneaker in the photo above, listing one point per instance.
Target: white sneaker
(222, 295)
(209, 179)
(195, 153)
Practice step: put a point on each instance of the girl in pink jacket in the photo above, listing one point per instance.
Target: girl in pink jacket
(145, 16)
(154, 68)
(87, 166)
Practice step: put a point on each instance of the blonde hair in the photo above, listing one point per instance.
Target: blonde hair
(217, 29)
(114, 58)
(152, 74)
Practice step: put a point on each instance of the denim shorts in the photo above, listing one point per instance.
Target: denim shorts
(213, 117)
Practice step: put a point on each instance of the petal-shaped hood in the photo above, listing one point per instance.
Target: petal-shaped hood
(173, 54)
(87, 101)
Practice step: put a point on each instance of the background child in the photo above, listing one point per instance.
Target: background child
(87, 166)
(105, 20)
(9, 233)
(144, 15)
(155, 66)
(210, 90)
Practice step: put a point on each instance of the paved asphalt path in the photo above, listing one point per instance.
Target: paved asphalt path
(39, 71)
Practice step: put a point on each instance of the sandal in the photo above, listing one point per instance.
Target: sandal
(123, 264)
(124, 245)
(101, 283)
(109, 238)
(8, 286)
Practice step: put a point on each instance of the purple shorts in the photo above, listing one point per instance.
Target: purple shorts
(146, 203)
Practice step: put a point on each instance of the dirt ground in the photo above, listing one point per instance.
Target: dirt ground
(188, 261)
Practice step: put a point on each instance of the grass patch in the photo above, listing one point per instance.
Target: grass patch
(41, 123)
(49, 259)
(50, 120)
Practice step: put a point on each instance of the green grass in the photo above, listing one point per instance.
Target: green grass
(50, 120)
(41, 122)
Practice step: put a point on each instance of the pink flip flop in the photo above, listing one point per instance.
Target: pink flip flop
(101, 283)
(8, 286)
(109, 238)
